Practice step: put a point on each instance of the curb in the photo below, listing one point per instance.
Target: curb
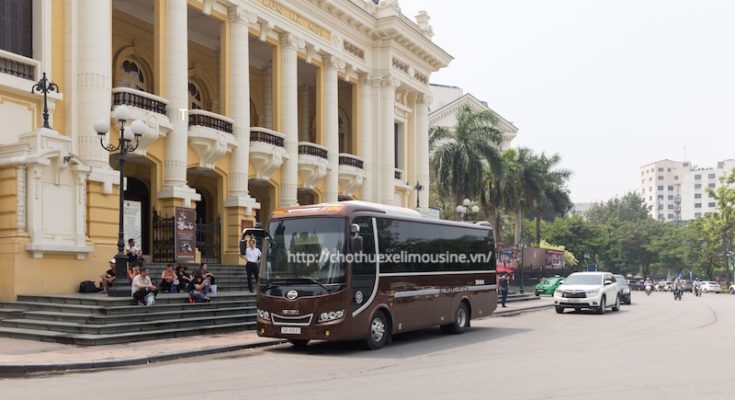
(513, 313)
(21, 369)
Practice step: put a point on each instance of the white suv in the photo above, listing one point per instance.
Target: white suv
(593, 290)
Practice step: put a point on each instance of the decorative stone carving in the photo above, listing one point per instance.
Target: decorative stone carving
(351, 174)
(354, 50)
(400, 65)
(239, 15)
(313, 163)
(49, 178)
(422, 20)
(211, 136)
(148, 108)
(289, 40)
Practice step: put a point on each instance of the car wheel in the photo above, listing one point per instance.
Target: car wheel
(601, 308)
(378, 332)
(732, 291)
(616, 307)
(462, 321)
(560, 310)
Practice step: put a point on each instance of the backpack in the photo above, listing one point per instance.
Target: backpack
(88, 287)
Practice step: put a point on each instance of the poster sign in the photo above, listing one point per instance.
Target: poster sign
(185, 233)
(133, 218)
(554, 259)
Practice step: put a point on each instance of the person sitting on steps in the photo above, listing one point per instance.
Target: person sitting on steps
(108, 278)
(169, 283)
(184, 278)
(142, 286)
(204, 269)
(197, 293)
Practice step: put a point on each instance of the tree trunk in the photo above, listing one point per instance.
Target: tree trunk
(726, 257)
(538, 230)
(519, 224)
(497, 226)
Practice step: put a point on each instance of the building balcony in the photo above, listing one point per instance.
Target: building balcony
(210, 135)
(313, 163)
(267, 151)
(351, 173)
(18, 66)
(398, 175)
(146, 107)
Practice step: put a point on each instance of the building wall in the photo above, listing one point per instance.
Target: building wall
(344, 30)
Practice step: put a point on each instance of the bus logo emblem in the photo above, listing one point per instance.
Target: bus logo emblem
(358, 297)
(292, 295)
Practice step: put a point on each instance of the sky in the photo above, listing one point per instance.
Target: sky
(609, 85)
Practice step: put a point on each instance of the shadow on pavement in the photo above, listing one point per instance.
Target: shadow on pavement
(404, 344)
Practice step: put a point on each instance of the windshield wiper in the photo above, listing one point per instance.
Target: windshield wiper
(313, 280)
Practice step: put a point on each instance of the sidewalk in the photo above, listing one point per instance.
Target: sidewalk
(18, 357)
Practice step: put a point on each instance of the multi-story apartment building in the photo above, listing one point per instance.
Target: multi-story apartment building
(677, 191)
(247, 105)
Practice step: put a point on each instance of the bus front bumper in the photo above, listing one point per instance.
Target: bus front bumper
(333, 330)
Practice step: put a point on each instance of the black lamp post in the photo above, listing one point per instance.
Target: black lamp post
(418, 187)
(521, 247)
(121, 286)
(45, 86)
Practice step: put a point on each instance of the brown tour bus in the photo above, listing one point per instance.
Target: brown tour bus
(361, 271)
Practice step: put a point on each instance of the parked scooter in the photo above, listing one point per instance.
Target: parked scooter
(648, 290)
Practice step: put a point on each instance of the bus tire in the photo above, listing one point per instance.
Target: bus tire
(379, 331)
(299, 343)
(461, 321)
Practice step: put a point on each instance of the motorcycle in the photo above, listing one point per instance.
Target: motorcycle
(697, 291)
(648, 290)
(677, 293)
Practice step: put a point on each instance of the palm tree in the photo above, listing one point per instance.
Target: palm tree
(553, 198)
(497, 190)
(461, 154)
(527, 177)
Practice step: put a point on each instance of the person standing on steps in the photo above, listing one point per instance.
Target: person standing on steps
(252, 255)
(503, 285)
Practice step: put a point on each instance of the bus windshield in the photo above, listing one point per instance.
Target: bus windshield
(306, 250)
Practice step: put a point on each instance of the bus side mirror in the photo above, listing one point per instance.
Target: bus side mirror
(356, 239)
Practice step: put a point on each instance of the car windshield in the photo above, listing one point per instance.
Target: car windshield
(306, 249)
(583, 280)
(621, 280)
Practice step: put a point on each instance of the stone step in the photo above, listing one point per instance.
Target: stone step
(97, 299)
(155, 315)
(95, 340)
(120, 328)
(128, 309)
(7, 313)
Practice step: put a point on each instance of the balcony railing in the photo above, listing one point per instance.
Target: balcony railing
(398, 175)
(350, 160)
(263, 135)
(311, 149)
(210, 120)
(137, 98)
(17, 65)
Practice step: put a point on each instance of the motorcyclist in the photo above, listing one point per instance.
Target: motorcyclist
(648, 285)
(696, 286)
(678, 285)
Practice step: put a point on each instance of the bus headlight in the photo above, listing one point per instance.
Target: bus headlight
(331, 315)
(264, 314)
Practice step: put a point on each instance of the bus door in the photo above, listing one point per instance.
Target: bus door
(364, 266)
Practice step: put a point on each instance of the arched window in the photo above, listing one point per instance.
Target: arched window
(132, 75)
(196, 97)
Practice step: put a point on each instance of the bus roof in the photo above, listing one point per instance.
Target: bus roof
(350, 206)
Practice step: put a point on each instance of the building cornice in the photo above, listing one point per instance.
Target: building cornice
(505, 126)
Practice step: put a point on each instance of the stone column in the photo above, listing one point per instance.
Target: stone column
(89, 59)
(388, 86)
(175, 89)
(368, 141)
(239, 106)
(421, 157)
(239, 205)
(288, 114)
(267, 98)
(330, 123)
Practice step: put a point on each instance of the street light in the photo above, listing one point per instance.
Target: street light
(464, 210)
(121, 287)
(418, 187)
(521, 246)
(461, 212)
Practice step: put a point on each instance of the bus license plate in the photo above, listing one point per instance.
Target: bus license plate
(289, 330)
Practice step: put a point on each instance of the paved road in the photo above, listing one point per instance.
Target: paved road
(654, 349)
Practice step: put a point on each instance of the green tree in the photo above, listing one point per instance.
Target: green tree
(460, 155)
(583, 238)
(724, 219)
(552, 199)
(526, 172)
(497, 190)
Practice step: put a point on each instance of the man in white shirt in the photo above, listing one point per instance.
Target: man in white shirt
(252, 255)
(132, 251)
(142, 286)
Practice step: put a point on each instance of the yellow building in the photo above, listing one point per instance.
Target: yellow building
(248, 105)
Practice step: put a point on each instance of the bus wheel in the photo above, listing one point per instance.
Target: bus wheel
(299, 343)
(379, 331)
(462, 321)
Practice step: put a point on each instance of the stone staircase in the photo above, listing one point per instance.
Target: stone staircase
(227, 277)
(96, 319)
